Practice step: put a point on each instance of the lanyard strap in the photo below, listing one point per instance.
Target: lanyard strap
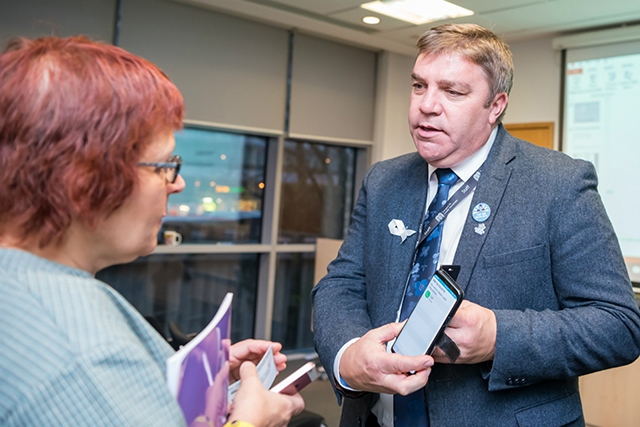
(453, 201)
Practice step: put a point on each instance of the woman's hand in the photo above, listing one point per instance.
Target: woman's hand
(252, 351)
(260, 407)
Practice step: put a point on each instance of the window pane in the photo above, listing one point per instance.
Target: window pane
(317, 191)
(225, 180)
(292, 303)
(188, 289)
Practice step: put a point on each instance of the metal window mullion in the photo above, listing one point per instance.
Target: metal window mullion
(268, 260)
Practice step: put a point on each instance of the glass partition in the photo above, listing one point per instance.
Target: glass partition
(292, 302)
(317, 191)
(225, 181)
(188, 289)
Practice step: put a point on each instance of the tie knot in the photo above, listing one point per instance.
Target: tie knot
(446, 176)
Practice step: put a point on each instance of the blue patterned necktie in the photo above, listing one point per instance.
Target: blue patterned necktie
(411, 410)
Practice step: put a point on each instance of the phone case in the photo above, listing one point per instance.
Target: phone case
(439, 338)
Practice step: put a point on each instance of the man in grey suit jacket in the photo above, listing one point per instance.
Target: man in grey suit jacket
(547, 296)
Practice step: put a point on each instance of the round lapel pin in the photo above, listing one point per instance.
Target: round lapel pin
(481, 212)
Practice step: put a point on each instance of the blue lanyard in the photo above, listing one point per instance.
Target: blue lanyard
(453, 201)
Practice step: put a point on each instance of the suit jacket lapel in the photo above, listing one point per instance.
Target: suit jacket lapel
(413, 192)
(493, 182)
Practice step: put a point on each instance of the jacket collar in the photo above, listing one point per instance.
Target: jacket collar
(491, 187)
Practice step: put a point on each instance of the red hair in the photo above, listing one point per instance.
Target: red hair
(75, 116)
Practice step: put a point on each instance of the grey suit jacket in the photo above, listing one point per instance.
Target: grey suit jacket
(548, 264)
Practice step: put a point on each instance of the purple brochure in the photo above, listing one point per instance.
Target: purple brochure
(198, 373)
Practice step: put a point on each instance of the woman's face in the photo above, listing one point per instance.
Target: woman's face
(131, 231)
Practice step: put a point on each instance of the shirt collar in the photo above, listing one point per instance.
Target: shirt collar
(468, 167)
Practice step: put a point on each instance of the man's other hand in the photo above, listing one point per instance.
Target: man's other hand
(473, 329)
(366, 365)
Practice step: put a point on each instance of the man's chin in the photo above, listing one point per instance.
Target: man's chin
(433, 157)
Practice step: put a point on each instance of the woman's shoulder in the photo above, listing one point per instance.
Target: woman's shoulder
(79, 314)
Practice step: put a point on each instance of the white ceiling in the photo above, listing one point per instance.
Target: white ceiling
(514, 20)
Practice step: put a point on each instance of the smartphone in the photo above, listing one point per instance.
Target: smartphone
(452, 271)
(298, 380)
(430, 316)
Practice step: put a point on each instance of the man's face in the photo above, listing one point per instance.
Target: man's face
(448, 118)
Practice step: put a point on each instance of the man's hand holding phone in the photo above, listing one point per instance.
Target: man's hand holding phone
(473, 329)
(366, 365)
(425, 326)
(442, 310)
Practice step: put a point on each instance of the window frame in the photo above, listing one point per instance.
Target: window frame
(269, 248)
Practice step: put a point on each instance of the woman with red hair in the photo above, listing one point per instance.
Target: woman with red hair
(86, 167)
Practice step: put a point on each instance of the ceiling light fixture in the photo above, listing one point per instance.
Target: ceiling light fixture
(417, 11)
(371, 20)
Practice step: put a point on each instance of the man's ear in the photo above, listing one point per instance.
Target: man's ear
(497, 107)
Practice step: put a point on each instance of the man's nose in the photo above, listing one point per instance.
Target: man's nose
(430, 103)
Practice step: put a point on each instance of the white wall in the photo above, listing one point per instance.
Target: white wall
(229, 70)
(38, 18)
(535, 96)
(391, 130)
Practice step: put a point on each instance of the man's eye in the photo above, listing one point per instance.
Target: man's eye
(418, 86)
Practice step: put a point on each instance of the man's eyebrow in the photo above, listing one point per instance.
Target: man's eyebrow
(445, 83)
(454, 84)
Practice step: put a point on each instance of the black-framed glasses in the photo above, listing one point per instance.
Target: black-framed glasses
(171, 167)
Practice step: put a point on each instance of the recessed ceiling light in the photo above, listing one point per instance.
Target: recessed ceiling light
(417, 11)
(371, 20)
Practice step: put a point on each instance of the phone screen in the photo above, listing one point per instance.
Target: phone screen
(427, 318)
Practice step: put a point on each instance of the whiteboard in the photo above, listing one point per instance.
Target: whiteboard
(602, 125)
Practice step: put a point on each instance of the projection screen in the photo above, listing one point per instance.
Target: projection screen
(601, 124)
